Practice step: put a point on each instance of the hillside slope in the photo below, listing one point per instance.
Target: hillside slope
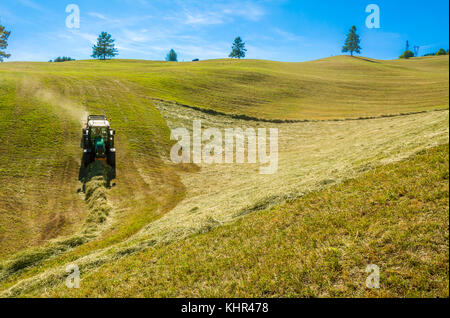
(396, 217)
(47, 222)
(40, 157)
(337, 87)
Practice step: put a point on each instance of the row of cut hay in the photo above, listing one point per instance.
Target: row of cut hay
(95, 187)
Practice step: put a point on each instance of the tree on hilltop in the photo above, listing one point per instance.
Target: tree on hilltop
(352, 42)
(104, 48)
(172, 56)
(238, 49)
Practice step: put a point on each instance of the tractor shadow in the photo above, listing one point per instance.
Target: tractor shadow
(96, 169)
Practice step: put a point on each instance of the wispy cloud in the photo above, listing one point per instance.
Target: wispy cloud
(205, 51)
(92, 38)
(156, 43)
(216, 13)
(31, 4)
(75, 36)
(9, 17)
(288, 36)
(209, 18)
(246, 10)
(119, 22)
(99, 16)
(140, 36)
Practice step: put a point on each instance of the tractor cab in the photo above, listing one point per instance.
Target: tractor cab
(98, 141)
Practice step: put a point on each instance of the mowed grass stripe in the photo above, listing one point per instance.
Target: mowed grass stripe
(395, 216)
(312, 156)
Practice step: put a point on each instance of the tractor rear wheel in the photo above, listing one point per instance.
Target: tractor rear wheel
(88, 158)
(112, 159)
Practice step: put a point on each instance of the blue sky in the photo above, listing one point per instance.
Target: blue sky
(273, 29)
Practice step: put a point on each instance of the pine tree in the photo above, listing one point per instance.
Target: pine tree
(238, 49)
(172, 56)
(4, 35)
(352, 42)
(104, 48)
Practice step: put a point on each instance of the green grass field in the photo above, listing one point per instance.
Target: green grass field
(46, 222)
(337, 87)
(316, 246)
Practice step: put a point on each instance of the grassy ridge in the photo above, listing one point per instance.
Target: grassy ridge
(396, 216)
(337, 87)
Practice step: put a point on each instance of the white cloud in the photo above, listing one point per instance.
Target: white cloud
(31, 4)
(195, 13)
(119, 22)
(184, 28)
(288, 36)
(204, 51)
(99, 16)
(136, 36)
(75, 35)
(249, 11)
(89, 37)
(202, 19)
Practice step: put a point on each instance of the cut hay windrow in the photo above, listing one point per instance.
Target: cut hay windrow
(312, 157)
(94, 184)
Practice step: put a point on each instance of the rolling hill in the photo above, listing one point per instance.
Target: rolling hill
(47, 222)
(337, 87)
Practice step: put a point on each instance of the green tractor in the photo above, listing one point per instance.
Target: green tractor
(97, 141)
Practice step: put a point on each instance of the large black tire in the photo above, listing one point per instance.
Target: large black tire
(88, 158)
(112, 159)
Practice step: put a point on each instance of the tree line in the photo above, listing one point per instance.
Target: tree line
(62, 59)
(105, 48)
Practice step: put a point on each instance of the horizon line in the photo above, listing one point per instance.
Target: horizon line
(225, 59)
